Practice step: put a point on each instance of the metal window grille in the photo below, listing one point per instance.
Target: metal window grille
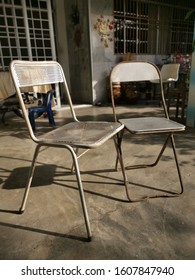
(26, 31)
(152, 27)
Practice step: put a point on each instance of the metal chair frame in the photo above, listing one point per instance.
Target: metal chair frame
(136, 71)
(71, 136)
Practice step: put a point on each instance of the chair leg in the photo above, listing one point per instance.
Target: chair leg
(81, 192)
(3, 117)
(177, 164)
(78, 156)
(156, 161)
(32, 119)
(120, 160)
(76, 152)
(29, 181)
(117, 142)
(51, 118)
(143, 165)
(126, 182)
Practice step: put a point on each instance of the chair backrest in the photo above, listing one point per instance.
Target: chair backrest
(170, 72)
(36, 73)
(136, 71)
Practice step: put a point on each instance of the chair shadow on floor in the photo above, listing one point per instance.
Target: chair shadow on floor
(43, 231)
(47, 175)
(17, 178)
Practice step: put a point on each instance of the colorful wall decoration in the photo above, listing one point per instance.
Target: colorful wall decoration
(104, 27)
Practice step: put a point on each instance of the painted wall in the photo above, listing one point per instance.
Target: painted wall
(85, 47)
(103, 58)
(191, 99)
(61, 41)
(78, 49)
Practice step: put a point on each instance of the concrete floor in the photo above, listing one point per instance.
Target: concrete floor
(52, 226)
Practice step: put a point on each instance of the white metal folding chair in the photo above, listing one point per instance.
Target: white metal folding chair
(139, 71)
(71, 136)
(170, 74)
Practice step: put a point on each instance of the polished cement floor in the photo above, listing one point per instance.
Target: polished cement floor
(52, 225)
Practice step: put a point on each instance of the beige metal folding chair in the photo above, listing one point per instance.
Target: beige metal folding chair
(71, 136)
(136, 71)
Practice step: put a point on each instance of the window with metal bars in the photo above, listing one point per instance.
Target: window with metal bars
(152, 27)
(26, 31)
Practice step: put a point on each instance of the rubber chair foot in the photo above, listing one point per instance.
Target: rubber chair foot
(20, 212)
(89, 239)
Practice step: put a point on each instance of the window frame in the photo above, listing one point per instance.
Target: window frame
(151, 27)
(26, 31)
